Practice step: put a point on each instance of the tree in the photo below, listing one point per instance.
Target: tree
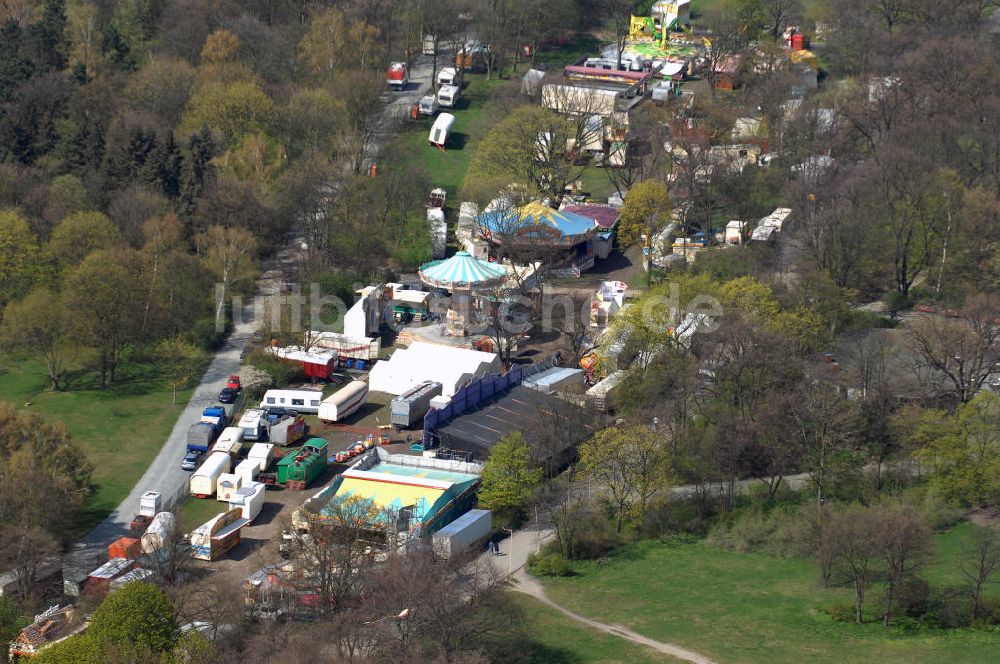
(528, 149)
(959, 354)
(180, 360)
(221, 46)
(729, 40)
(335, 42)
(137, 614)
(78, 235)
(619, 14)
(777, 14)
(39, 326)
(904, 542)
(509, 479)
(826, 425)
(233, 109)
(980, 563)
(851, 536)
(629, 464)
(19, 257)
(645, 213)
(229, 254)
(102, 294)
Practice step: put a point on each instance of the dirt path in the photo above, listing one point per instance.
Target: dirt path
(531, 587)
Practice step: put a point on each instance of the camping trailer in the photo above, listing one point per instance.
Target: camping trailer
(428, 105)
(204, 479)
(441, 130)
(448, 95)
(302, 401)
(254, 425)
(343, 402)
(447, 76)
(249, 499)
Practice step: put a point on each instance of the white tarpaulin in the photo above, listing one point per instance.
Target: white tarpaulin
(452, 367)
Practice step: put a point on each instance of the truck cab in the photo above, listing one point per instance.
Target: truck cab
(397, 76)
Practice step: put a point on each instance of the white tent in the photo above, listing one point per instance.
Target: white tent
(452, 367)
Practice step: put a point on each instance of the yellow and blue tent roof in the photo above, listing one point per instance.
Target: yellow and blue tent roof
(567, 224)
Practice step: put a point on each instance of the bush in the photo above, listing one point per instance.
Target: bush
(549, 563)
(841, 612)
(280, 372)
(951, 607)
(914, 598)
(204, 335)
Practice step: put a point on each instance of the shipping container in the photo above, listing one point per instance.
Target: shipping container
(138, 574)
(249, 499)
(466, 533)
(411, 406)
(227, 485)
(343, 402)
(288, 431)
(125, 547)
(98, 582)
(204, 479)
(263, 454)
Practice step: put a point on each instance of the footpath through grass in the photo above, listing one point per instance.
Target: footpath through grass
(555, 639)
(737, 607)
(121, 429)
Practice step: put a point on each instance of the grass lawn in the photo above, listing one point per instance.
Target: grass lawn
(738, 607)
(121, 429)
(196, 511)
(555, 639)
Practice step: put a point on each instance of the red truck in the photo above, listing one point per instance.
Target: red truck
(397, 75)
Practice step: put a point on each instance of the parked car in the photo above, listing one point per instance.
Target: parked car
(234, 382)
(191, 460)
(228, 395)
(278, 411)
(140, 523)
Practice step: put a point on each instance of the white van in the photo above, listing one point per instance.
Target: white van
(448, 95)
(303, 401)
(429, 105)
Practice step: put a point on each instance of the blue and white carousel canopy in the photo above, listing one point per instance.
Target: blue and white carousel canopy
(461, 270)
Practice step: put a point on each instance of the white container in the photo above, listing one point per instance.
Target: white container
(227, 486)
(203, 481)
(344, 401)
(158, 533)
(149, 503)
(464, 533)
(249, 499)
(247, 470)
(262, 454)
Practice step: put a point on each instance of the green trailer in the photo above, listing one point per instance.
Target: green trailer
(300, 468)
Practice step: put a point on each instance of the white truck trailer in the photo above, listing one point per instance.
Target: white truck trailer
(466, 533)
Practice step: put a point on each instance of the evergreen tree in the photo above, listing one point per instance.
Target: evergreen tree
(195, 171)
(49, 35)
(15, 68)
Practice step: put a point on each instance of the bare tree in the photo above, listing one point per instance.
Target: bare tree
(619, 13)
(981, 564)
(852, 538)
(904, 542)
(961, 352)
(778, 13)
(826, 425)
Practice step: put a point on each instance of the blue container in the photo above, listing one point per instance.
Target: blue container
(348, 363)
(359, 365)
